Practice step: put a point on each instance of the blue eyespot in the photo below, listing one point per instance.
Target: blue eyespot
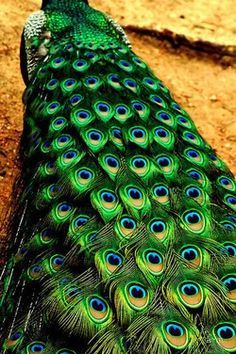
(64, 207)
(137, 291)
(114, 78)
(37, 347)
(154, 257)
(81, 220)
(134, 193)
(137, 133)
(70, 82)
(85, 174)
(95, 135)
(193, 192)
(163, 161)
(156, 99)
(74, 100)
(138, 106)
(63, 139)
(112, 162)
(121, 110)
(228, 226)
(60, 121)
(125, 64)
(37, 269)
(98, 305)
(164, 116)
(193, 154)
(117, 133)
(231, 200)
(91, 80)
(130, 83)
(225, 332)
(230, 283)
(161, 191)
(157, 226)
(189, 289)
(176, 107)
(58, 261)
(148, 81)
(108, 197)
(162, 133)
(83, 114)
(128, 223)
(80, 63)
(192, 217)
(90, 55)
(139, 162)
(231, 249)
(190, 136)
(175, 329)
(103, 107)
(189, 253)
(195, 175)
(182, 120)
(15, 336)
(113, 259)
(70, 155)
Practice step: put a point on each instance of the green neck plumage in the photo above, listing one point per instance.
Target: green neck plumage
(63, 3)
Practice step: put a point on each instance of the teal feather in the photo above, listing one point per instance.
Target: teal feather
(123, 234)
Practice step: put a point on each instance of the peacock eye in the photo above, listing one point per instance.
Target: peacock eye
(134, 193)
(137, 296)
(194, 220)
(154, 257)
(85, 174)
(37, 347)
(95, 135)
(163, 161)
(117, 133)
(231, 249)
(112, 162)
(137, 133)
(15, 336)
(230, 283)
(162, 133)
(164, 116)
(80, 221)
(189, 253)
(161, 191)
(189, 289)
(64, 207)
(225, 332)
(69, 155)
(174, 330)
(108, 197)
(193, 192)
(128, 223)
(114, 259)
(225, 335)
(98, 309)
(139, 162)
(157, 226)
(138, 106)
(58, 261)
(74, 100)
(98, 305)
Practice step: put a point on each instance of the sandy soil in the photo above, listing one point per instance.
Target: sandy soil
(201, 83)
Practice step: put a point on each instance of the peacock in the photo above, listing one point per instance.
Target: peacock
(122, 235)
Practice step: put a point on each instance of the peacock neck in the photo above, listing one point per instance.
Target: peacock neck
(63, 3)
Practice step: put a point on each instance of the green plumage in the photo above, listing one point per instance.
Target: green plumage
(123, 238)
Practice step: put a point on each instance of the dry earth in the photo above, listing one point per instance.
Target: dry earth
(204, 84)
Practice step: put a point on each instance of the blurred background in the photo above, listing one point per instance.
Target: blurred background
(189, 44)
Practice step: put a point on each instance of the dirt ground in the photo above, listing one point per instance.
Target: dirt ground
(204, 84)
